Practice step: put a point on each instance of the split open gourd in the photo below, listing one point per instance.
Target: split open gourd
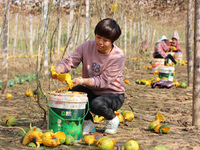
(160, 117)
(61, 77)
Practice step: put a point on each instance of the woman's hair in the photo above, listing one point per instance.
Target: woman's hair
(108, 28)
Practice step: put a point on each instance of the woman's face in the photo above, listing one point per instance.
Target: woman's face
(166, 41)
(174, 40)
(103, 45)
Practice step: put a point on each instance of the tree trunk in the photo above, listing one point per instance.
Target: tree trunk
(189, 42)
(134, 37)
(46, 40)
(87, 31)
(71, 23)
(196, 70)
(15, 40)
(130, 38)
(31, 35)
(59, 35)
(5, 49)
(15, 35)
(125, 33)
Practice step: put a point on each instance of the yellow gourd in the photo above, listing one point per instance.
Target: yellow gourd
(160, 117)
(50, 139)
(61, 77)
(126, 81)
(26, 139)
(29, 93)
(120, 116)
(128, 116)
(89, 139)
(156, 129)
(33, 136)
(9, 96)
(61, 136)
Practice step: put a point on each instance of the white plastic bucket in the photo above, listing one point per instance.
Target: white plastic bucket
(178, 56)
(156, 63)
(167, 72)
(70, 100)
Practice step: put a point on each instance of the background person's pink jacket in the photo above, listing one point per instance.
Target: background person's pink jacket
(161, 48)
(177, 45)
(105, 70)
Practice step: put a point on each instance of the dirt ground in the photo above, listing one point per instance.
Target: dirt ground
(175, 104)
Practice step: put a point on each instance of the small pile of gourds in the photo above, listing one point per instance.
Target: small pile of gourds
(34, 138)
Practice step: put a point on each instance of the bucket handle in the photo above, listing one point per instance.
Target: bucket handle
(67, 119)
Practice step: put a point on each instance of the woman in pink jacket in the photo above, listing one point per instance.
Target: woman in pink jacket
(102, 79)
(161, 48)
(174, 43)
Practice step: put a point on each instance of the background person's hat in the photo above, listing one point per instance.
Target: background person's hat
(175, 37)
(163, 38)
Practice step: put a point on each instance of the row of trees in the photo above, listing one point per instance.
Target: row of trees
(51, 31)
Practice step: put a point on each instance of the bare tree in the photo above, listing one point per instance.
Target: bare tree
(46, 40)
(15, 39)
(71, 23)
(87, 20)
(5, 48)
(196, 70)
(31, 35)
(189, 42)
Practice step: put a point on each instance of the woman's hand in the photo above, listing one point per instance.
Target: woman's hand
(60, 69)
(55, 70)
(77, 81)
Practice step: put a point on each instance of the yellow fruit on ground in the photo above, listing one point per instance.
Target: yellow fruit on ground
(152, 125)
(36, 137)
(105, 143)
(29, 93)
(135, 58)
(164, 129)
(177, 84)
(148, 83)
(157, 79)
(131, 145)
(144, 67)
(156, 72)
(26, 139)
(61, 136)
(128, 116)
(50, 139)
(120, 116)
(10, 121)
(9, 96)
(156, 129)
(33, 135)
(159, 117)
(143, 81)
(98, 119)
(89, 139)
(126, 81)
(69, 140)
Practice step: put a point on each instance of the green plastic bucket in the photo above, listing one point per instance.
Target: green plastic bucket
(67, 112)
(166, 72)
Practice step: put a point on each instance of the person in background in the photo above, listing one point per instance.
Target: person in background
(102, 78)
(174, 45)
(161, 48)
